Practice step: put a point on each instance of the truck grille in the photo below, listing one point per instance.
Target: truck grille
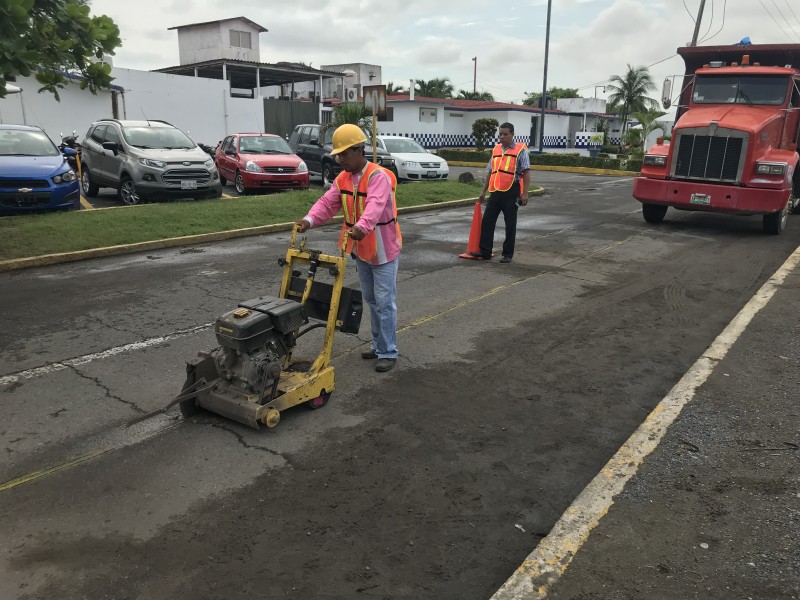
(706, 157)
(175, 176)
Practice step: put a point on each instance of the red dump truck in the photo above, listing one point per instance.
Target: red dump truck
(734, 147)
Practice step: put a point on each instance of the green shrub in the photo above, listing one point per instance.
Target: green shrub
(612, 149)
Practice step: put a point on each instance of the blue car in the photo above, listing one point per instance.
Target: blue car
(34, 174)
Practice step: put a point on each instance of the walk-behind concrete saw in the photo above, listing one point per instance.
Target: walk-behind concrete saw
(251, 376)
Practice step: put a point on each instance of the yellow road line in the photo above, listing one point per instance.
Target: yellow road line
(548, 561)
(34, 475)
(85, 203)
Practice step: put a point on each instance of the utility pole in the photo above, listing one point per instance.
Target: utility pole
(697, 23)
(474, 74)
(544, 85)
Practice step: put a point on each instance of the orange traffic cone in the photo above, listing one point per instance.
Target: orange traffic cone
(474, 242)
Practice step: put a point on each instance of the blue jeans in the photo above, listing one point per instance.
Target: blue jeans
(379, 290)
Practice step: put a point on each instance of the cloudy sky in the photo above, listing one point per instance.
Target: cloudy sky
(590, 40)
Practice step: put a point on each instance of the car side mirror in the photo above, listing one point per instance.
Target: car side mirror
(111, 146)
(314, 142)
(230, 152)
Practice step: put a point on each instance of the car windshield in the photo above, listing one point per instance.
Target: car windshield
(14, 142)
(263, 144)
(157, 138)
(745, 89)
(404, 146)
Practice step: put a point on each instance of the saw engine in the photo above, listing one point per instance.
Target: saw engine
(254, 341)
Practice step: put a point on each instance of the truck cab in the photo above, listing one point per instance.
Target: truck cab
(734, 147)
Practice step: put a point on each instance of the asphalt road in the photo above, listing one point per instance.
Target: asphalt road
(516, 383)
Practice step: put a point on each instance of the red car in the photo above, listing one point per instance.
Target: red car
(259, 161)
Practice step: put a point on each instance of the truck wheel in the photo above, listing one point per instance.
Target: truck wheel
(774, 223)
(327, 174)
(653, 213)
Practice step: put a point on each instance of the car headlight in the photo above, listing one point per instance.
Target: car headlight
(149, 162)
(208, 164)
(770, 168)
(409, 163)
(655, 160)
(302, 167)
(67, 177)
(252, 167)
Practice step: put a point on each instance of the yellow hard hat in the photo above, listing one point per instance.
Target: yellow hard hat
(347, 136)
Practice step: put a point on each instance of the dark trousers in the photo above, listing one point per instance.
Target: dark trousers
(506, 203)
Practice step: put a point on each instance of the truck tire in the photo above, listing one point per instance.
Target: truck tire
(653, 213)
(774, 223)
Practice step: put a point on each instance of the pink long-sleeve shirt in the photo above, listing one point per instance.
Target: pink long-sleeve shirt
(378, 208)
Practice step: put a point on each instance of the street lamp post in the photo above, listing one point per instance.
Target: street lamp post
(544, 84)
(599, 86)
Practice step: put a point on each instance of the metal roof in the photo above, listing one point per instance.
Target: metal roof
(253, 23)
(242, 73)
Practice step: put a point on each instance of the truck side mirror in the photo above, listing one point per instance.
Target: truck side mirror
(666, 93)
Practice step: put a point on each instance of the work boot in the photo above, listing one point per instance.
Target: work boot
(368, 354)
(385, 364)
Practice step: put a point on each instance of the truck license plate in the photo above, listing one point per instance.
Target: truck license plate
(703, 199)
(188, 184)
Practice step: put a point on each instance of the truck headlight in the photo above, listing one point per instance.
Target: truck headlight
(770, 168)
(655, 160)
(252, 167)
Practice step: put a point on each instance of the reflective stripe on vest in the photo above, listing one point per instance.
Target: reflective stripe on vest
(504, 167)
(353, 203)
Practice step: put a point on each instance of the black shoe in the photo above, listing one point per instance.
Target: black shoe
(480, 255)
(385, 364)
(368, 354)
(505, 259)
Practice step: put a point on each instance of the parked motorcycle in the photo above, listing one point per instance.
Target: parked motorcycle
(71, 141)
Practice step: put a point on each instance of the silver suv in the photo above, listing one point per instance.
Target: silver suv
(146, 160)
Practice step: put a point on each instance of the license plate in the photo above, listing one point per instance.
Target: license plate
(432, 173)
(703, 199)
(188, 184)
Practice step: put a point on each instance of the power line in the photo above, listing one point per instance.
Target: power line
(712, 19)
(784, 18)
(764, 6)
(792, 11)
(691, 16)
(724, 9)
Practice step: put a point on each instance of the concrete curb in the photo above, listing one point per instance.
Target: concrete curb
(583, 170)
(202, 238)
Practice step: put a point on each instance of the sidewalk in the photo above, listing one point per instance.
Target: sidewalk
(714, 510)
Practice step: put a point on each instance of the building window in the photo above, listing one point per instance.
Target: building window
(389, 114)
(427, 115)
(240, 39)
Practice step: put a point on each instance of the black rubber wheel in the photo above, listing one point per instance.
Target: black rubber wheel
(774, 223)
(128, 193)
(88, 187)
(327, 174)
(238, 183)
(319, 401)
(653, 213)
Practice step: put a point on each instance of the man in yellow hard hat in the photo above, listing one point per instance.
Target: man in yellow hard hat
(365, 193)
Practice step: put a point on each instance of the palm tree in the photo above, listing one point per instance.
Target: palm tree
(349, 112)
(439, 87)
(465, 95)
(630, 92)
(647, 119)
(391, 88)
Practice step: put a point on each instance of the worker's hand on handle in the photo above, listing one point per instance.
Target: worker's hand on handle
(357, 233)
(302, 225)
(482, 197)
(523, 200)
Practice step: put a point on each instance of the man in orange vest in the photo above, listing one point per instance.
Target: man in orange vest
(365, 193)
(509, 177)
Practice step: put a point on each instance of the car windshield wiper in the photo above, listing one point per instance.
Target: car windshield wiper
(146, 147)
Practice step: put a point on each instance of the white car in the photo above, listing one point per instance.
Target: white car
(412, 160)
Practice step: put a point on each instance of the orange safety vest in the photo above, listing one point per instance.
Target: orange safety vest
(353, 208)
(504, 167)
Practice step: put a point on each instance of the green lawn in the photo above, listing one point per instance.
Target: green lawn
(35, 235)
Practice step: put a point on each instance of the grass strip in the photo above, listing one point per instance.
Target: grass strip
(50, 233)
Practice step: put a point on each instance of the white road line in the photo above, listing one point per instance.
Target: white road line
(616, 181)
(543, 567)
(87, 358)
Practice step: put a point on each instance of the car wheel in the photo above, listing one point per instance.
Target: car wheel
(653, 213)
(127, 192)
(774, 223)
(88, 188)
(327, 174)
(239, 184)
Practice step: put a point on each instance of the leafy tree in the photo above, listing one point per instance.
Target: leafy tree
(439, 87)
(554, 93)
(648, 121)
(630, 92)
(54, 37)
(465, 95)
(391, 88)
(355, 113)
(483, 129)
